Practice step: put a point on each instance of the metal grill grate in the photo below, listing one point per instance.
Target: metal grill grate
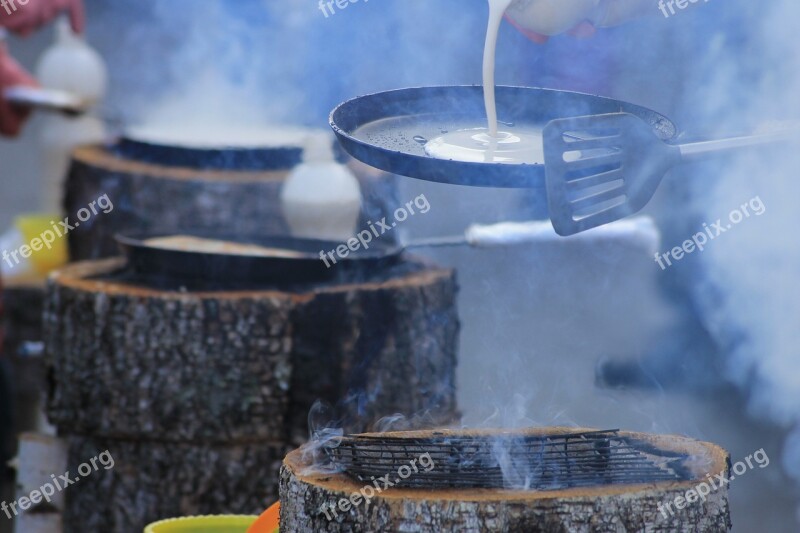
(531, 462)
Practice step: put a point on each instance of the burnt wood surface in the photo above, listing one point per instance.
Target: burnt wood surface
(307, 494)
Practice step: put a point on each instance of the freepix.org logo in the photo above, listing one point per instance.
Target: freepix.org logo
(58, 230)
(668, 7)
(698, 241)
(11, 5)
(363, 239)
(329, 7)
(57, 484)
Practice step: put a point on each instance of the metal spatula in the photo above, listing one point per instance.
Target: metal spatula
(602, 168)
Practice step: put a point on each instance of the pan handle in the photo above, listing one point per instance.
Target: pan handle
(640, 228)
(50, 99)
(509, 233)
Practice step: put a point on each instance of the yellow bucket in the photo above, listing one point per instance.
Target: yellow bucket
(203, 524)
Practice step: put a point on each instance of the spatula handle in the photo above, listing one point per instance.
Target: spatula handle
(702, 150)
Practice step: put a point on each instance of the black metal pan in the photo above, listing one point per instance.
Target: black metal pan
(306, 264)
(150, 145)
(223, 158)
(316, 260)
(384, 130)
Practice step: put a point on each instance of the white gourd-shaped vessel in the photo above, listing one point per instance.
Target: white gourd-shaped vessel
(321, 198)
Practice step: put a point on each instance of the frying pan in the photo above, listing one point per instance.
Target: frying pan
(305, 267)
(307, 264)
(133, 145)
(387, 130)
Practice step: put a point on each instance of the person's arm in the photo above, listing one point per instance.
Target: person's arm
(23, 21)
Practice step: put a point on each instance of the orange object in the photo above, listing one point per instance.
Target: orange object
(269, 522)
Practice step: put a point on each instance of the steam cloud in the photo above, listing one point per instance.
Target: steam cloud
(750, 287)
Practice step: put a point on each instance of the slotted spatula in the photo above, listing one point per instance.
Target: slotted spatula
(602, 168)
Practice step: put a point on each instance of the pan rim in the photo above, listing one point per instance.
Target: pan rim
(461, 172)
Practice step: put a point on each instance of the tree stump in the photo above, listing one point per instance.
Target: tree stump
(307, 497)
(174, 382)
(151, 197)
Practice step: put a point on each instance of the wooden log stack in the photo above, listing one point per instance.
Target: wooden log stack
(199, 395)
(315, 500)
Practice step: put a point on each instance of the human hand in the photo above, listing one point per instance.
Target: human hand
(12, 117)
(25, 19)
(583, 30)
(540, 19)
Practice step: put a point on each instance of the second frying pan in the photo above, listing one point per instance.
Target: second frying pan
(290, 260)
(295, 260)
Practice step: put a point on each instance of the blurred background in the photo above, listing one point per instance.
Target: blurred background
(600, 336)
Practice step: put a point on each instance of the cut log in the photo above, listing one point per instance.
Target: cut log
(149, 197)
(316, 501)
(132, 362)
(152, 481)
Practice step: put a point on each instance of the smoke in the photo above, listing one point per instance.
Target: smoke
(748, 288)
(256, 62)
(272, 62)
(209, 63)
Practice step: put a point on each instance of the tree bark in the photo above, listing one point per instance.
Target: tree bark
(307, 499)
(134, 362)
(198, 395)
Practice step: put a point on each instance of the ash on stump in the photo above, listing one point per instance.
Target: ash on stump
(312, 500)
(198, 395)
